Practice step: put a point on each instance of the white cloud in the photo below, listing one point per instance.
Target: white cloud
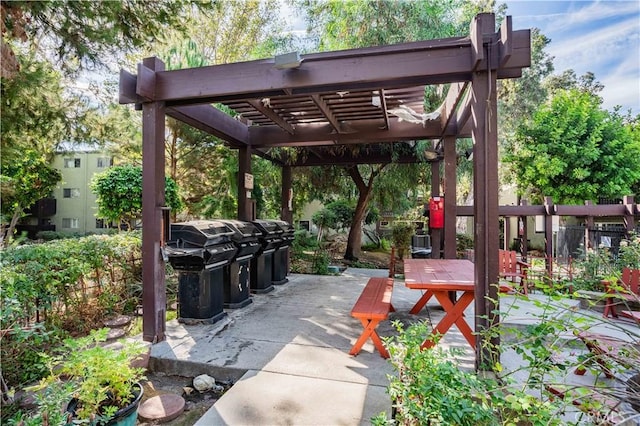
(608, 47)
(603, 10)
(599, 41)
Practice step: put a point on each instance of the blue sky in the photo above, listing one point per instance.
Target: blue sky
(598, 36)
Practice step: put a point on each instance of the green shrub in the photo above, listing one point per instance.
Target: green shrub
(629, 253)
(401, 233)
(62, 287)
(321, 261)
(56, 235)
(430, 389)
(463, 242)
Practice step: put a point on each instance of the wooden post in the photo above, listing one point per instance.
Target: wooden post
(286, 211)
(485, 191)
(629, 221)
(436, 233)
(507, 232)
(523, 233)
(154, 299)
(450, 197)
(588, 226)
(244, 169)
(548, 235)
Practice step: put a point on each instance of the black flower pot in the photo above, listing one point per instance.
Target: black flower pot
(126, 416)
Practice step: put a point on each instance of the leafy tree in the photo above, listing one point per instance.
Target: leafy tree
(119, 191)
(362, 23)
(24, 181)
(568, 80)
(519, 98)
(202, 166)
(34, 110)
(86, 33)
(572, 150)
(324, 218)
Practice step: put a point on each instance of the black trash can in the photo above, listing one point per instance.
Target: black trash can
(237, 273)
(420, 246)
(199, 251)
(262, 263)
(281, 255)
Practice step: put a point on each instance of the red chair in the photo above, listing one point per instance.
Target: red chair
(627, 289)
(513, 270)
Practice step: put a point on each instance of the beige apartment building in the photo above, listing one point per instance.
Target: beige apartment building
(76, 205)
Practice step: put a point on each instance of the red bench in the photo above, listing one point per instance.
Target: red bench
(602, 408)
(628, 290)
(607, 350)
(512, 269)
(373, 306)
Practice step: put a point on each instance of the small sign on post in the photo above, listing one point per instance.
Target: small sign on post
(248, 181)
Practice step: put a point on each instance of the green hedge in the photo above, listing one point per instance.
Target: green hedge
(61, 288)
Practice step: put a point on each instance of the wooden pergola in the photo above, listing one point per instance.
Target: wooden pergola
(324, 102)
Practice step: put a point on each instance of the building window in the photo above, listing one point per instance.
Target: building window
(71, 192)
(104, 162)
(70, 223)
(305, 224)
(71, 163)
(102, 224)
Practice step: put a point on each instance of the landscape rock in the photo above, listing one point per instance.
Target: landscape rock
(204, 382)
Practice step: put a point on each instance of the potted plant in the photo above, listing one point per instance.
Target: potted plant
(100, 384)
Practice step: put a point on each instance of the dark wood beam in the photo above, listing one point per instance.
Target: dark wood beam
(154, 299)
(286, 197)
(366, 131)
(506, 47)
(244, 168)
(438, 61)
(476, 37)
(383, 105)
(344, 160)
(463, 112)
(272, 115)
(450, 105)
(326, 111)
(127, 88)
(599, 210)
(450, 195)
(485, 190)
(506, 211)
(213, 121)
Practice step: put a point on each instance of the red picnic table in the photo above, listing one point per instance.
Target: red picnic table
(439, 277)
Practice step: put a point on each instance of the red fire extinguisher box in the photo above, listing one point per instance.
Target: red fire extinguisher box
(436, 212)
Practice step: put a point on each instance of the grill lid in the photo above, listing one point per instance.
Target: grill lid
(200, 233)
(245, 237)
(269, 228)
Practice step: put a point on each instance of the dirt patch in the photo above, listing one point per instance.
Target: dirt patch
(196, 403)
(369, 260)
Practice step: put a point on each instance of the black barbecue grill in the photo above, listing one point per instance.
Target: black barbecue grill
(281, 255)
(200, 244)
(420, 246)
(199, 250)
(245, 237)
(237, 273)
(262, 263)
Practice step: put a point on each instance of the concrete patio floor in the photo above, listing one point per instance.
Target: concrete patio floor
(288, 352)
